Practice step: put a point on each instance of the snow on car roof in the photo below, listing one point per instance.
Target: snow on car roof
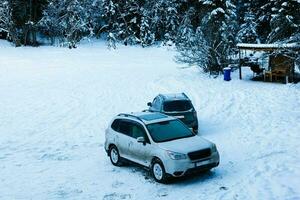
(152, 116)
(149, 117)
(175, 96)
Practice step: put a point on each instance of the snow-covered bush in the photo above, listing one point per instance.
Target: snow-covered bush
(191, 46)
(66, 20)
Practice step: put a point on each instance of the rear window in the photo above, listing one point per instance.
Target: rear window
(115, 125)
(125, 127)
(173, 106)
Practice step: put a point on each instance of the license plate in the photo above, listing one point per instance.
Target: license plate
(205, 162)
(180, 117)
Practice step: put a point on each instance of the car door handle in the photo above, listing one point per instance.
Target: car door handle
(130, 143)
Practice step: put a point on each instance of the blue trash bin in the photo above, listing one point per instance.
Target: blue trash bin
(227, 72)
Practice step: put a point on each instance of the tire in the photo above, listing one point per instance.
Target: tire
(158, 171)
(114, 156)
(195, 130)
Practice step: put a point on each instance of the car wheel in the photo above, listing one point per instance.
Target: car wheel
(195, 130)
(115, 156)
(158, 171)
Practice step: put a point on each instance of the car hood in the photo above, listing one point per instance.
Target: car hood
(186, 145)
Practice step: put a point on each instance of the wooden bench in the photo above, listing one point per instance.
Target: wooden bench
(277, 72)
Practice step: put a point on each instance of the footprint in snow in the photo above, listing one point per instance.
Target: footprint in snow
(223, 188)
(54, 156)
(117, 184)
(116, 196)
(162, 193)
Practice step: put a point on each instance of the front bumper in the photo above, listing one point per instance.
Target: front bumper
(179, 168)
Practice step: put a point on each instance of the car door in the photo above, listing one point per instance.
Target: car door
(141, 153)
(124, 137)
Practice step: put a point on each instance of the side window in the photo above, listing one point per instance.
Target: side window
(125, 127)
(156, 103)
(130, 128)
(139, 131)
(115, 125)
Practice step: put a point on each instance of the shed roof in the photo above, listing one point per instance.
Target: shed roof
(268, 47)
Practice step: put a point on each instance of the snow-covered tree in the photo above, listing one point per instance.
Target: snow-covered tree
(65, 19)
(50, 23)
(163, 17)
(93, 16)
(147, 34)
(295, 38)
(218, 26)
(109, 16)
(123, 19)
(7, 24)
(191, 45)
(172, 19)
(247, 32)
(5, 17)
(285, 19)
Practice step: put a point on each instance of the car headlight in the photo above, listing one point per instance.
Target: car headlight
(176, 156)
(214, 148)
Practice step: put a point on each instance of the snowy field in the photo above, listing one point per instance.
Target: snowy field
(55, 104)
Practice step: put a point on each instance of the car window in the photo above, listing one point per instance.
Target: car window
(175, 106)
(115, 125)
(168, 130)
(156, 103)
(125, 127)
(137, 131)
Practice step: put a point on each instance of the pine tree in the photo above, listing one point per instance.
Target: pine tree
(25, 15)
(163, 18)
(172, 19)
(94, 16)
(218, 19)
(109, 16)
(65, 19)
(147, 35)
(285, 19)
(123, 19)
(7, 24)
(247, 32)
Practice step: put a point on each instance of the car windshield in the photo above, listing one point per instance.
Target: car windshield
(168, 130)
(173, 106)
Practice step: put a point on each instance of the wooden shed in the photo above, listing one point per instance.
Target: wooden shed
(281, 60)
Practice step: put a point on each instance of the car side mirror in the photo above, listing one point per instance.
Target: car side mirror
(141, 140)
(149, 104)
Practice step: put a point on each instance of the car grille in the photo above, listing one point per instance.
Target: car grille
(196, 155)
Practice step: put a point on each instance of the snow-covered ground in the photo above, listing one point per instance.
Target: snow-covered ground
(55, 104)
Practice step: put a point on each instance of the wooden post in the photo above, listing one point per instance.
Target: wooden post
(240, 65)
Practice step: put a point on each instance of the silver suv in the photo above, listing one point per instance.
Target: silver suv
(159, 142)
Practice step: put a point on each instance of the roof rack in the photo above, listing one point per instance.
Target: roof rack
(129, 115)
(147, 110)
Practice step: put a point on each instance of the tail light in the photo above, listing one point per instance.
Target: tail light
(195, 114)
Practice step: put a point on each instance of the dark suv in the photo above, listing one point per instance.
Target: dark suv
(176, 105)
